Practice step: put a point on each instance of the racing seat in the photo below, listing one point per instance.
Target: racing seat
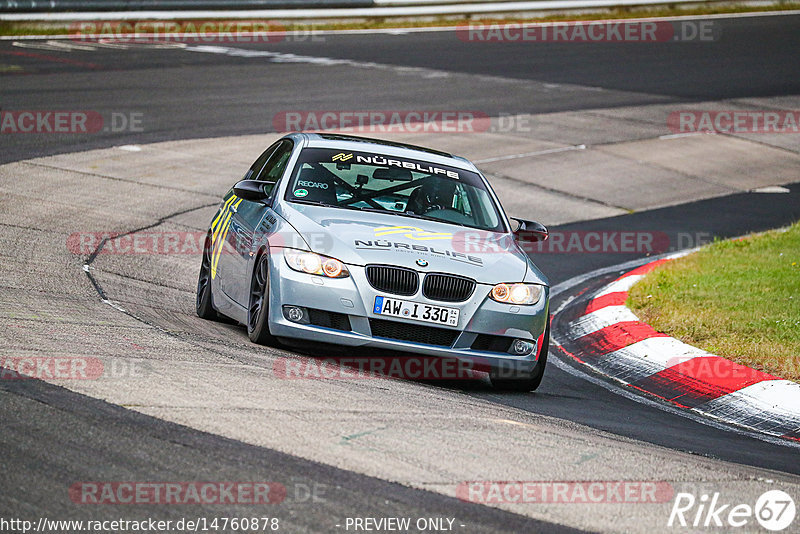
(319, 184)
(434, 193)
(415, 204)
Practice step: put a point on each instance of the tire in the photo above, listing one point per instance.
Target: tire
(527, 382)
(258, 309)
(204, 304)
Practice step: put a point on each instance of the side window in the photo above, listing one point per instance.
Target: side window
(275, 166)
(256, 167)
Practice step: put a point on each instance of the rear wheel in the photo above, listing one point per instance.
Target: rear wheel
(527, 381)
(258, 311)
(203, 305)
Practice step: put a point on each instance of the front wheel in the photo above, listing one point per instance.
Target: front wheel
(527, 381)
(258, 311)
(203, 305)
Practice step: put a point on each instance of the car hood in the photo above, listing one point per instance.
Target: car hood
(360, 238)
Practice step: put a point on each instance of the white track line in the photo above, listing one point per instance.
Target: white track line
(531, 154)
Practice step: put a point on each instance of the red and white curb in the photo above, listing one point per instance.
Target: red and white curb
(608, 337)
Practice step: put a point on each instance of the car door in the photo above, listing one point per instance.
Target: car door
(246, 218)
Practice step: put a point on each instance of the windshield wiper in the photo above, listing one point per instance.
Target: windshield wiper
(313, 202)
(388, 212)
(412, 215)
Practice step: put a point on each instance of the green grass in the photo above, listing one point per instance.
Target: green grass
(738, 299)
(49, 28)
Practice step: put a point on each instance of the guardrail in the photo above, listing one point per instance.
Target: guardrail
(314, 9)
(51, 6)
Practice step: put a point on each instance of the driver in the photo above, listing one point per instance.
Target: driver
(434, 194)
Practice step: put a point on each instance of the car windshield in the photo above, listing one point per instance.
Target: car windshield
(400, 186)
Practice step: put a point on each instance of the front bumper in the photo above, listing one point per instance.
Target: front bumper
(354, 297)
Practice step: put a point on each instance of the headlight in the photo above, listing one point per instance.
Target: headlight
(311, 263)
(526, 294)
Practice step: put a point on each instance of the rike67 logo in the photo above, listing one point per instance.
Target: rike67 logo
(774, 510)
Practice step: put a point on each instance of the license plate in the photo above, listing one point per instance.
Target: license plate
(416, 311)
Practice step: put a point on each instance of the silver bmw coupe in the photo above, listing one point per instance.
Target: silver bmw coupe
(335, 239)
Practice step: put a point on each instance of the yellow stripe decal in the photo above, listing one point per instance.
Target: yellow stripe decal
(411, 232)
(218, 249)
(224, 227)
(222, 211)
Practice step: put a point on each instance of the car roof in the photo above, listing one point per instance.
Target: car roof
(391, 148)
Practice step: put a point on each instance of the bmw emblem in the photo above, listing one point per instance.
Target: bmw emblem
(422, 263)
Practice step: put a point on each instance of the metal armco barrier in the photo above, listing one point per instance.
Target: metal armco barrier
(22, 6)
(118, 10)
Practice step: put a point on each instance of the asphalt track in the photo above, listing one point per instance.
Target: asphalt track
(213, 95)
(753, 57)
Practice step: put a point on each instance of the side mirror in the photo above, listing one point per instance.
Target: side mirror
(252, 190)
(530, 231)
